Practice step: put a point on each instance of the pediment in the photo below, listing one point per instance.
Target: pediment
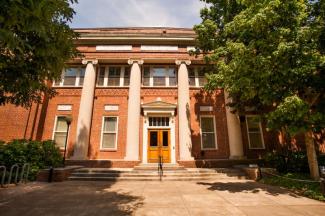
(159, 104)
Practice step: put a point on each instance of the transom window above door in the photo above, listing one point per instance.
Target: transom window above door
(159, 76)
(113, 76)
(158, 121)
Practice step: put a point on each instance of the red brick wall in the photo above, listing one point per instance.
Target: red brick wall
(216, 99)
(108, 96)
(69, 96)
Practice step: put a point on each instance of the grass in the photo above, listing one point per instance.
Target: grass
(308, 189)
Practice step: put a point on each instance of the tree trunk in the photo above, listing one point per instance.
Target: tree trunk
(311, 155)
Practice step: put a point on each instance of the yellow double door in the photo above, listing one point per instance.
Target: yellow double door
(158, 145)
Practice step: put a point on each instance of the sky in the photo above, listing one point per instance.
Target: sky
(136, 13)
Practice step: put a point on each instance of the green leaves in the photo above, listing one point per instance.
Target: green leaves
(268, 54)
(35, 43)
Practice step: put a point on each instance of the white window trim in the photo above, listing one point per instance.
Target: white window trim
(151, 82)
(76, 84)
(54, 130)
(106, 76)
(261, 132)
(215, 132)
(102, 132)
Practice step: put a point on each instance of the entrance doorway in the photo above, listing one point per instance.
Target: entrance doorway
(158, 145)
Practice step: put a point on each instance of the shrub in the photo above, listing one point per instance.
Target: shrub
(291, 161)
(38, 154)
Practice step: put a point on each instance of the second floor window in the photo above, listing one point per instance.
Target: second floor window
(196, 77)
(72, 76)
(113, 76)
(159, 76)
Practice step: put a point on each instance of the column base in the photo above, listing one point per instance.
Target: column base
(235, 157)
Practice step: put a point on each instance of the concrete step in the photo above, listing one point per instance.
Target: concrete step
(106, 174)
(154, 166)
(157, 178)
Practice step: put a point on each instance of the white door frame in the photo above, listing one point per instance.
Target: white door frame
(171, 126)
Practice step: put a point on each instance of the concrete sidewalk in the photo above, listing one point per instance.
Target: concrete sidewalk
(237, 197)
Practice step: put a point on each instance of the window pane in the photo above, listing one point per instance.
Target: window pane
(61, 124)
(159, 81)
(165, 138)
(59, 138)
(253, 124)
(207, 124)
(114, 72)
(81, 76)
(108, 140)
(153, 138)
(101, 76)
(191, 76)
(208, 140)
(70, 76)
(127, 76)
(110, 124)
(114, 76)
(202, 79)
(255, 140)
(159, 72)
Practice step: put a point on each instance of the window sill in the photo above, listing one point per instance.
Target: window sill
(66, 87)
(108, 150)
(209, 149)
(112, 87)
(159, 87)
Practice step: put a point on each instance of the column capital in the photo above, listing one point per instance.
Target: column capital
(92, 61)
(132, 61)
(179, 62)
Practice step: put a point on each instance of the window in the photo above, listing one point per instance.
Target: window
(70, 76)
(158, 121)
(208, 134)
(109, 133)
(196, 77)
(254, 132)
(127, 76)
(159, 76)
(60, 131)
(114, 74)
(101, 76)
(191, 76)
(73, 76)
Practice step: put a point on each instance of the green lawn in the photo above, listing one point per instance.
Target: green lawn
(308, 189)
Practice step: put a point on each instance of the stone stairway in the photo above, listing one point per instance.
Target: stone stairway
(150, 173)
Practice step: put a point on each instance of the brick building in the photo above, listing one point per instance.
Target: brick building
(134, 95)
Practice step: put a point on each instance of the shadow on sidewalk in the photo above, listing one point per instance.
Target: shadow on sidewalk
(73, 198)
(246, 187)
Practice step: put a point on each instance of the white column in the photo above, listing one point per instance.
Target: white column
(234, 132)
(85, 111)
(185, 141)
(133, 122)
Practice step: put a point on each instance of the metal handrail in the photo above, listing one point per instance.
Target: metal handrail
(23, 176)
(160, 168)
(10, 174)
(3, 175)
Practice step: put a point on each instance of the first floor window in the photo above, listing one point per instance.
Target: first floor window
(208, 133)
(254, 132)
(109, 132)
(60, 131)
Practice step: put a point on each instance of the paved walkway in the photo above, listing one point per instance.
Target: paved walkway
(239, 197)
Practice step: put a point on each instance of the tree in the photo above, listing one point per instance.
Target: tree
(35, 43)
(269, 55)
